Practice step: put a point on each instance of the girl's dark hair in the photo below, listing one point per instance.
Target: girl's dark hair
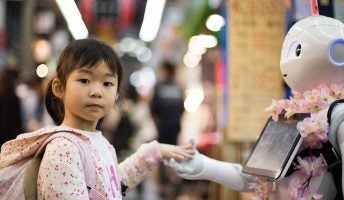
(78, 54)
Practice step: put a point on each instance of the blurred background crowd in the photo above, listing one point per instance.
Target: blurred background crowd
(188, 66)
(151, 37)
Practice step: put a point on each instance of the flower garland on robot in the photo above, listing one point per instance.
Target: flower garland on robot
(313, 130)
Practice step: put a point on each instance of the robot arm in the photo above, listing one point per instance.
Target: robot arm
(340, 138)
(201, 167)
(336, 133)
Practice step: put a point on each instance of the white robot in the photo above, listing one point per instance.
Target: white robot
(312, 54)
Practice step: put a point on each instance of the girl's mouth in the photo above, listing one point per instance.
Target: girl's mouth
(94, 106)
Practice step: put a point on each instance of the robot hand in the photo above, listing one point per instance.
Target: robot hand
(189, 169)
(201, 167)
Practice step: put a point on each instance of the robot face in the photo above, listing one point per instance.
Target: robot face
(313, 53)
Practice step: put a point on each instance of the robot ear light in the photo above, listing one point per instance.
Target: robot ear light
(336, 52)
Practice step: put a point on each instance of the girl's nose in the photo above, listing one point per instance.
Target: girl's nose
(95, 91)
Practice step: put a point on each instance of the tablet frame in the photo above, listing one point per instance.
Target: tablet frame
(283, 166)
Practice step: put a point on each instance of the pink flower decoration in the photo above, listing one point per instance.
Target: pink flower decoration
(313, 130)
(297, 95)
(337, 91)
(311, 196)
(294, 188)
(263, 187)
(293, 107)
(276, 108)
(311, 166)
(301, 191)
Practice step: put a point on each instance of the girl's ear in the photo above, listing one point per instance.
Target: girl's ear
(57, 88)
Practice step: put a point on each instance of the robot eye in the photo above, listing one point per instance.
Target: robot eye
(298, 50)
(294, 50)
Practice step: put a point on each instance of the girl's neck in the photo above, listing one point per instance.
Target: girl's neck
(81, 126)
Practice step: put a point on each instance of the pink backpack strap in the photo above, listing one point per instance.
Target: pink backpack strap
(87, 161)
(124, 187)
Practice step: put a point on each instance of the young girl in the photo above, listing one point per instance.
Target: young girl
(83, 91)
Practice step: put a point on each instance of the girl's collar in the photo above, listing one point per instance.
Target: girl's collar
(80, 130)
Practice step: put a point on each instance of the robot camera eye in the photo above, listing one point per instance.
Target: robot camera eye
(298, 50)
(294, 50)
(336, 52)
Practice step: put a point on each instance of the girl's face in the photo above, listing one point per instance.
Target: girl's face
(89, 95)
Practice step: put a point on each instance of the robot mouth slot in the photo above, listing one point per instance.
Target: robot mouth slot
(336, 52)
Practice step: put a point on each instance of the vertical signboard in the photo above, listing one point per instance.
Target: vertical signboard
(256, 34)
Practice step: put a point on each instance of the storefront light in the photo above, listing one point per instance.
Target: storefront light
(215, 22)
(42, 70)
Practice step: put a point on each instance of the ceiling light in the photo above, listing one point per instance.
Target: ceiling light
(151, 20)
(73, 18)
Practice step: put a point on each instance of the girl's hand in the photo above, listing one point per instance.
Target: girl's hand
(179, 153)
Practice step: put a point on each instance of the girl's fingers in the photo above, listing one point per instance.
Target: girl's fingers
(186, 154)
(176, 156)
(179, 153)
(187, 146)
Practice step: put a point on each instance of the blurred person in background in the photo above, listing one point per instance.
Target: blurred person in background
(167, 107)
(10, 108)
(31, 93)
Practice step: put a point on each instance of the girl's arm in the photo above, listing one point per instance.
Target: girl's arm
(61, 173)
(134, 169)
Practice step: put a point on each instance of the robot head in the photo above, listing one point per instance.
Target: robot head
(313, 53)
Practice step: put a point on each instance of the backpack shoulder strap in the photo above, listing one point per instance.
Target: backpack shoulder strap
(30, 178)
(31, 172)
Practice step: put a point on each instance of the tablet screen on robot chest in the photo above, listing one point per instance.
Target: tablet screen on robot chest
(275, 148)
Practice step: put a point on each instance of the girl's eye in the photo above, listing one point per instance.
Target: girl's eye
(108, 84)
(84, 80)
